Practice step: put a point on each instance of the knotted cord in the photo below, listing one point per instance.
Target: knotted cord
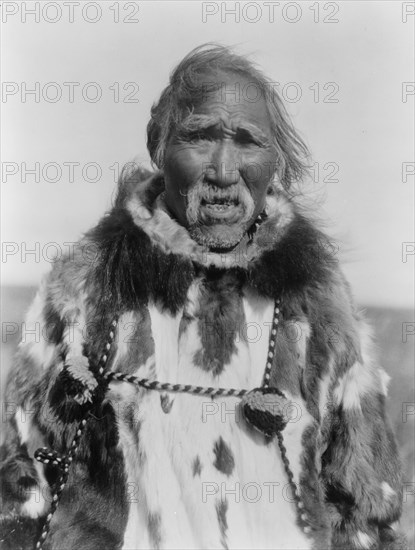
(63, 462)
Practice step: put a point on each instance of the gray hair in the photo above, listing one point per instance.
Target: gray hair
(185, 91)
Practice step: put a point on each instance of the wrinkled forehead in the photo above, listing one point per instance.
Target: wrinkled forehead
(228, 95)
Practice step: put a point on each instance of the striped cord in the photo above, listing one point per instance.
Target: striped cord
(47, 456)
(111, 376)
(178, 388)
(271, 346)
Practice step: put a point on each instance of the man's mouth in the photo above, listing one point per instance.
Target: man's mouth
(222, 208)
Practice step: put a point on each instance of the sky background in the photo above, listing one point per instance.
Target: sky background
(359, 128)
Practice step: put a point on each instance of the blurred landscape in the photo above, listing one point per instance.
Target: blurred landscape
(395, 355)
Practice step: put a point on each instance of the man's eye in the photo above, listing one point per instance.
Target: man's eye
(245, 138)
(200, 136)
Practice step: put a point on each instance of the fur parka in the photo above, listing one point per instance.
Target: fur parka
(171, 470)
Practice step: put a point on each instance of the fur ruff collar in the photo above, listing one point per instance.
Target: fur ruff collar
(148, 209)
(145, 253)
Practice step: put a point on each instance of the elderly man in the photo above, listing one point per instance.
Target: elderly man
(204, 380)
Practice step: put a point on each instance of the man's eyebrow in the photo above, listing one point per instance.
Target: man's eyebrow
(193, 123)
(197, 122)
(255, 132)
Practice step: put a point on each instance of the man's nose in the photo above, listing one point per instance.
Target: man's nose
(223, 168)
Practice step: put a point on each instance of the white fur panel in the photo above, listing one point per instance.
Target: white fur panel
(75, 331)
(23, 424)
(34, 333)
(38, 496)
(259, 514)
(384, 381)
(324, 403)
(356, 382)
(259, 314)
(363, 540)
(388, 492)
(303, 334)
(125, 323)
(165, 331)
(363, 377)
(300, 420)
(136, 534)
(34, 507)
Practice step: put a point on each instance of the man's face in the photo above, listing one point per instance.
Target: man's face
(219, 162)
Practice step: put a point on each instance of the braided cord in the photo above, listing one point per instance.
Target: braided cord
(177, 388)
(302, 516)
(63, 462)
(271, 345)
(47, 456)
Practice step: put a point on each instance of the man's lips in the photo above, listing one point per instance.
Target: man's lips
(221, 209)
(219, 201)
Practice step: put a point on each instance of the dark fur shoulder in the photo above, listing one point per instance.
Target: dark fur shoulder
(130, 268)
(301, 258)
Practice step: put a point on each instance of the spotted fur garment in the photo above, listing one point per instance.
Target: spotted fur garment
(162, 470)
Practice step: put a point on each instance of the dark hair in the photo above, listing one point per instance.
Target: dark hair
(185, 91)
